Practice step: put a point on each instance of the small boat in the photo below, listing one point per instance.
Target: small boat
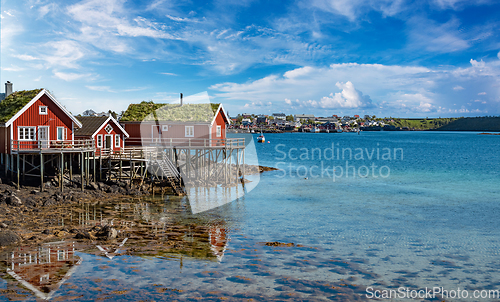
(261, 138)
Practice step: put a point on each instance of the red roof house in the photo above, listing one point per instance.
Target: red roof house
(107, 133)
(34, 119)
(173, 124)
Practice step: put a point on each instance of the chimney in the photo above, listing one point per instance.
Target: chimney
(8, 88)
(181, 99)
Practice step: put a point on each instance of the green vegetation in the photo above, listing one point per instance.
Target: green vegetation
(422, 124)
(149, 111)
(15, 102)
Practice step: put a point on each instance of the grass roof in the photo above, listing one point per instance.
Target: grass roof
(15, 102)
(149, 111)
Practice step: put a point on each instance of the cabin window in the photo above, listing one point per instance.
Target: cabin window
(218, 131)
(99, 140)
(108, 128)
(117, 140)
(189, 131)
(26, 133)
(42, 110)
(61, 133)
(164, 128)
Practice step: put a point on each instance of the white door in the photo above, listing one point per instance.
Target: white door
(43, 137)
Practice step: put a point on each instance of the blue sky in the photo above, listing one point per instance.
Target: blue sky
(386, 58)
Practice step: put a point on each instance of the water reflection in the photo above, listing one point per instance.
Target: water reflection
(43, 269)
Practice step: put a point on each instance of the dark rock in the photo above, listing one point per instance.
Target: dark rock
(73, 231)
(107, 232)
(30, 202)
(35, 192)
(122, 190)
(13, 200)
(3, 225)
(93, 186)
(49, 202)
(113, 189)
(83, 235)
(8, 237)
(46, 232)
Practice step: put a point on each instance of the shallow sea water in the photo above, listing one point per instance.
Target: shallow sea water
(431, 221)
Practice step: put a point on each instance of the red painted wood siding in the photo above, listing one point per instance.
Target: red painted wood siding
(144, 131)
(103, 132)
(219, 121)
(55, 118)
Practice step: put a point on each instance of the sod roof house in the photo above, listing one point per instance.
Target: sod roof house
(149, 123)
(107, 133)
(34, 119)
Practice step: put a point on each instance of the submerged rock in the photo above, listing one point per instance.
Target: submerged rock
(107, 232)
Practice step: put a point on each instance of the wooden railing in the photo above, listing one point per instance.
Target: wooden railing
(187, 142)
(22, 145)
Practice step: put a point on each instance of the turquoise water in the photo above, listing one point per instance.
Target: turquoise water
(428, 218)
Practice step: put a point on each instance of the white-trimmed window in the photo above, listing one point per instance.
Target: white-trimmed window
(164, 128)
(117, 140)
(61, 133)
(218, 131)
(26, 133)
(108, 128)
(99, 140)
(43, 110)
(189, 131)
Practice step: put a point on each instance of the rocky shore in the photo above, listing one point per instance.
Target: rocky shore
(29, 215)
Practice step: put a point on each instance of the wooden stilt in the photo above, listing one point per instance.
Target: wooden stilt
(100, 167)
(71, 167)
(93, 168)
(24, 169)
(82, 170)
(41, 171)
(18, 172)
(62, 172)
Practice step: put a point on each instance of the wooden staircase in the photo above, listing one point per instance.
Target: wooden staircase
(170, 173)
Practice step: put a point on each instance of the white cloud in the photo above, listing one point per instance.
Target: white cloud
(66, 53)
(169, 73)
(258, 104)
(407, 90)
(349, 97)
(436, 37)
(26, 57)
(101, 88)
(71, 76)
(482, 93)
(13, 68)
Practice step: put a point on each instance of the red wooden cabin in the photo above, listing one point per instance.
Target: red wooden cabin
(104, 130)
(176, 125)
(34, 119)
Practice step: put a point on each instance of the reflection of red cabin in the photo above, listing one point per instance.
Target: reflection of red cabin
(218, 241)
(179, 129)
(104, 130)
(43, 269)
(34, 119)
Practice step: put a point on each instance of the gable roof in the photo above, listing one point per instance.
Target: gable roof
(93, 124)
(224, 114)
(18, 102)
(149, 111)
